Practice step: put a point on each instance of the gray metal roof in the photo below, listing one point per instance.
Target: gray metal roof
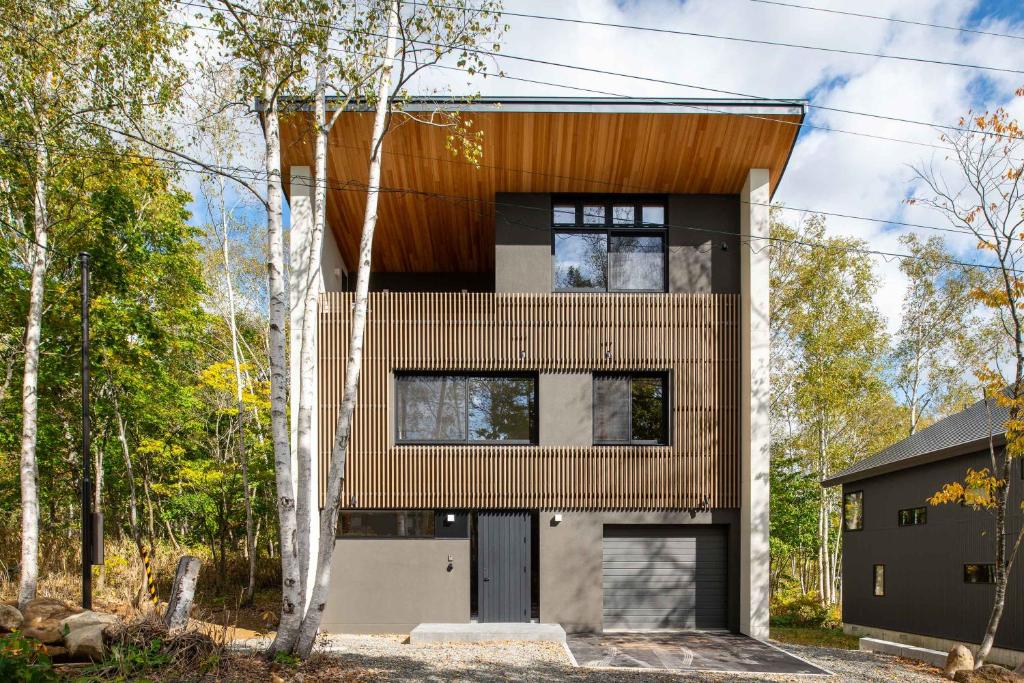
(965, 432)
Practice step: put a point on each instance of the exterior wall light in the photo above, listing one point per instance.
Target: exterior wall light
(557, 519)
(449, 518)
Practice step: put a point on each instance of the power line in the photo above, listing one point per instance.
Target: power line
(894, 20)
(605, 72)
(754, 41)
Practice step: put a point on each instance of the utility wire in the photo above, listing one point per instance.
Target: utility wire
(754, 41)
(894, 20)
(605, 72)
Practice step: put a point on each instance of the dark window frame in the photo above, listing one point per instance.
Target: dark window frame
(922, 508)
(874, 580)
(665, 376)
(851, 493)
(369, 537)
(534, 417)
(991, 573)
(610, 229)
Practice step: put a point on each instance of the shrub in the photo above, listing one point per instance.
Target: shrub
(804, 610)
(24, 660)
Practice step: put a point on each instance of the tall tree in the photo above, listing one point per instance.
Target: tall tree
(61, 64)
(932, 346)
(983, 194)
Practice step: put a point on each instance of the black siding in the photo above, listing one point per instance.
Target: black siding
(925, 592)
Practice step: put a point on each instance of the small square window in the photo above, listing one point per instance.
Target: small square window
(979, 573)
(623, 214)
(853, 511)
(564, 214)
(593, 214)
(913, 516)
(630, 409)
(879, 580)
(653, 215)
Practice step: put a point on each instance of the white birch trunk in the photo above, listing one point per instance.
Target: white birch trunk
(291, 598)
(243, 456)
(306, 439)
(30, 383)
(335, 476)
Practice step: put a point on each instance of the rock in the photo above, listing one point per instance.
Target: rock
(86, 642)
(46, 632)
(55, 651)
(43, 609)
(959, 658)
(274, 678)
(88, 618)
(10, 618)
(986, 673)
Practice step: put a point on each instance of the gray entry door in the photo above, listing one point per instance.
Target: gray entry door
(503, 565)
(664, 577)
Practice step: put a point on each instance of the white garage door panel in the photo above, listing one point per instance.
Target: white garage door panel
(665, 577)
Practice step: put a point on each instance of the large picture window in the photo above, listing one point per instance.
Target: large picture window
(456, 409)
(630, 409)
(611, 246)
(853, 511)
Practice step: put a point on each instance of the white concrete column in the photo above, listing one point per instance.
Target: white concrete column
(754, 398)
(330, 278)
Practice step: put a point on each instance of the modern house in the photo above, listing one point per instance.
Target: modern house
(563, 413)
(922, 574)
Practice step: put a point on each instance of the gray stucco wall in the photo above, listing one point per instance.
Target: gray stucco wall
(924, 588)
(570, 562)
(522, 242)
(391, 585)
(566, 403)
(697, 263)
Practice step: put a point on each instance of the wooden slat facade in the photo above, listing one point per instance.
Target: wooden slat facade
(695, 337)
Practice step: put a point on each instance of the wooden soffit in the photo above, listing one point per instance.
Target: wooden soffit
(437, 210)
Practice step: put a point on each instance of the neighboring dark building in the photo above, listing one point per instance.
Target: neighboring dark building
(563, 408)
(920, 573)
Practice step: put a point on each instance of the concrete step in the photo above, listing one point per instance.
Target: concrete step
(921, 654)
(478, 633)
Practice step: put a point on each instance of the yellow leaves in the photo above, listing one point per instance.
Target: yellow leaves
(977, 490)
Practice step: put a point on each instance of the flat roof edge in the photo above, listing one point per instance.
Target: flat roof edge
(582, 105)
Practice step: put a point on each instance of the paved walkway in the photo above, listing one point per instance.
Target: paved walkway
(692, 651)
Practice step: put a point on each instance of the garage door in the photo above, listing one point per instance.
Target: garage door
(664, 577)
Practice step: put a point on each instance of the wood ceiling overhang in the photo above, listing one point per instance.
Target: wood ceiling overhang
(437, 210)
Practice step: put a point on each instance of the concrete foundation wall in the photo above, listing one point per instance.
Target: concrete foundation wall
(566, 407)
(1010, 658)
(570, 562)
(392, 585)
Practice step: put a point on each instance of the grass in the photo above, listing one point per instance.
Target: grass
(818, 637)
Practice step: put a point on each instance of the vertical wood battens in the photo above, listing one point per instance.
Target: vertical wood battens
(693, 336)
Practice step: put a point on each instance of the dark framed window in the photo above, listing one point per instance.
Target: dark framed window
(631, 409)
(853, 511)
(878, 580)
(466, 408)
(386, 524)
(913, 516)
(979, 573)
(609, 245)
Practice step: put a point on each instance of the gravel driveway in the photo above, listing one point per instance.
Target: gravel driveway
(388, 658)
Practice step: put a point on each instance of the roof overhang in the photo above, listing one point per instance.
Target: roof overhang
(436, 210)
(923, 459)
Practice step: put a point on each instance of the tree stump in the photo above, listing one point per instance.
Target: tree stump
(182, 593)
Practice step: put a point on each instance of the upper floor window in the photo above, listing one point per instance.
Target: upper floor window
(878, 580)
(979, 573)
(913, 516)
(609, 246)
(853, 511)
(457, 408)
(630, 409)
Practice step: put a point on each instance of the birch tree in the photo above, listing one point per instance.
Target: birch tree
(980, 191)
(65, 65)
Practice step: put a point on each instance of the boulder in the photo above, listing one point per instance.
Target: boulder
(959, 659)
(44, 609)
(88, 618)
(10, 618)
(46, 632)
(86, 642)
(987, 673)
